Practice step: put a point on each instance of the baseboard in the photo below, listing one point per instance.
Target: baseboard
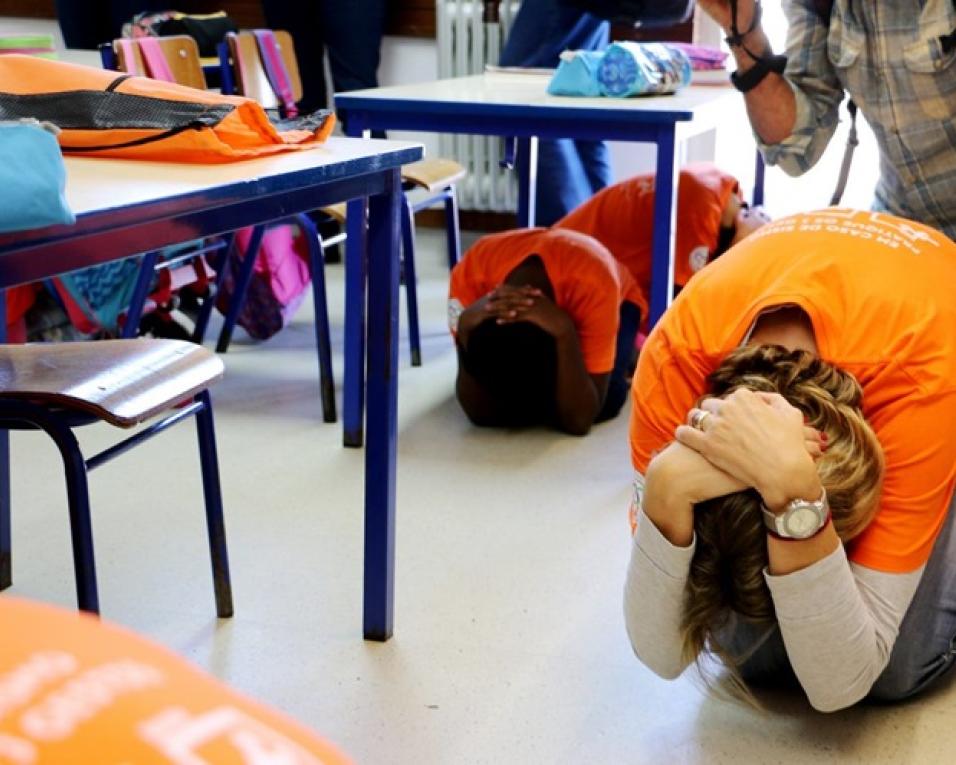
(469, 220)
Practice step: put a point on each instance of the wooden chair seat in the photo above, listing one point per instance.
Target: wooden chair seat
(433, 174)
(336, 211)
(124, 382)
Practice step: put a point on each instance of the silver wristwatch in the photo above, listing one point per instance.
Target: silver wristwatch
(801, 519)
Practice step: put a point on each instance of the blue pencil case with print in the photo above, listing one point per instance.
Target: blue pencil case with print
(576, 74)
(32, 178)
(636, 69)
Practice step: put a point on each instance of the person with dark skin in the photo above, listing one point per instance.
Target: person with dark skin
(537, 344)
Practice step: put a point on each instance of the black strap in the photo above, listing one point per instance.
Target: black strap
(756, 74)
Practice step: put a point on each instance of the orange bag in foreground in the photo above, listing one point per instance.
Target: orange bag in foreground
(77, 691)
(105, 114)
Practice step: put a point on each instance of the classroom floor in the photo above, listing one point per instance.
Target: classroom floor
(509, 642)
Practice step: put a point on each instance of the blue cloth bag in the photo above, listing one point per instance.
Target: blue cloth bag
(32, 178)
(576, 74)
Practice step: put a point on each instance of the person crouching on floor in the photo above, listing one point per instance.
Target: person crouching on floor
(544, 322)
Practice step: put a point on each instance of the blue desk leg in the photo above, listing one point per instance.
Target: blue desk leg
(527, 180)
(356, 270)
(6, 543)
(380, 451)
(665, 204)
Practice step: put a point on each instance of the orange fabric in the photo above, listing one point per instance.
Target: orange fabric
(879, 292)
(621, 217)
(244, 133)
(588, 283)
(74, 690)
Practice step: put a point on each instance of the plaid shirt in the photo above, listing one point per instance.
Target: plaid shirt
(889, 57)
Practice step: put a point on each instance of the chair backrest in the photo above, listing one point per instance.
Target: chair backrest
(180, 52)
(249, 73)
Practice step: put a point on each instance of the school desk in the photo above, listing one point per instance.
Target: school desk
(509, 104)
(126, 207)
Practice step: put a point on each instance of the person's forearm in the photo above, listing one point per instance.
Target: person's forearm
(654, 599)
(771, 106)
(576, 397)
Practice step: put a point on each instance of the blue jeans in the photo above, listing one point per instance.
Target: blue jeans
(924, 651)
(569, 172)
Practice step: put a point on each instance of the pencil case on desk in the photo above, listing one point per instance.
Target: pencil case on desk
(635, 69)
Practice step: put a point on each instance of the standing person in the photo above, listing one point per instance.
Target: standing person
(895, 60)
(351, 31)
(569, 171)
(87, 25)
(802, 522)
(711, 217)
(544, 324)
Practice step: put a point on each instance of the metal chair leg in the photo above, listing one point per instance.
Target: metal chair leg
(205, 312)
(323, 335)
(77, 491)
(411, 281)
(240, 288)
(213, 496)
(452, 227)
(147, 269)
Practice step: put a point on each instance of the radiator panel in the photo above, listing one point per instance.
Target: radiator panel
(465, 44)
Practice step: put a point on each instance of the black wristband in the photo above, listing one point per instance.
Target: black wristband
(755, 75)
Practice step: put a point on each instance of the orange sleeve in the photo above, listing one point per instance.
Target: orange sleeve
(920, 450)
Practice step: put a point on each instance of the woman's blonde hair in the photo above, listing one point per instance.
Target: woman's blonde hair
(726, 574)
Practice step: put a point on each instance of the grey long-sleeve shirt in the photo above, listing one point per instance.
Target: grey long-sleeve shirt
(839, 620)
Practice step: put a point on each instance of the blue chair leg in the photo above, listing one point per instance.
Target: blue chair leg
(241, 287)
(213, 495)
(205, 313)
(323, 335)
(452, 228)
(411, 281)
(77, 492)
(147, 269)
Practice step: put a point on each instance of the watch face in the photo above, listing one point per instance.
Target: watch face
(802, 522)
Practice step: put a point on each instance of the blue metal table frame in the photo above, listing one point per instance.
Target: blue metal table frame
(258, 192)
(517, 105)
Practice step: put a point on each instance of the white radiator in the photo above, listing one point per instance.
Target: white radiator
(465, 44)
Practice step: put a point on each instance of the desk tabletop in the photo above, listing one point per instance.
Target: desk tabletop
(100, 185)
(505, 92)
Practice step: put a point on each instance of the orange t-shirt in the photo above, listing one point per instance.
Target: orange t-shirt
(75, 690)
(879, 293)
(589, 285)
(621, 217)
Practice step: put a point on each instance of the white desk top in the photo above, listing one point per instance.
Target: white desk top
(98, 185)
(530, 90)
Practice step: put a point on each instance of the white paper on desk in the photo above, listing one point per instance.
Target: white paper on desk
(492, 69)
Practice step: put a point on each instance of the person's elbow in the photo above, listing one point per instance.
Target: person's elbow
(829, 701)
(576, 425)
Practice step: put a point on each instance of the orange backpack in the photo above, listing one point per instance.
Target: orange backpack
(102, 114)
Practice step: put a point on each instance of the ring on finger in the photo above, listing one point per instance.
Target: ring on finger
(697, 419)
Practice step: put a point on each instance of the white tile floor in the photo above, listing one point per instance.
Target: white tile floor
(509, 643)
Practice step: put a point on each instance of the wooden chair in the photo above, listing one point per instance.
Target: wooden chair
(56, 387)
(244, 72)
(181, 56)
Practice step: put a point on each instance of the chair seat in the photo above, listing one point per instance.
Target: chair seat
(123, 382)
(336, 211)
(433, 174)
